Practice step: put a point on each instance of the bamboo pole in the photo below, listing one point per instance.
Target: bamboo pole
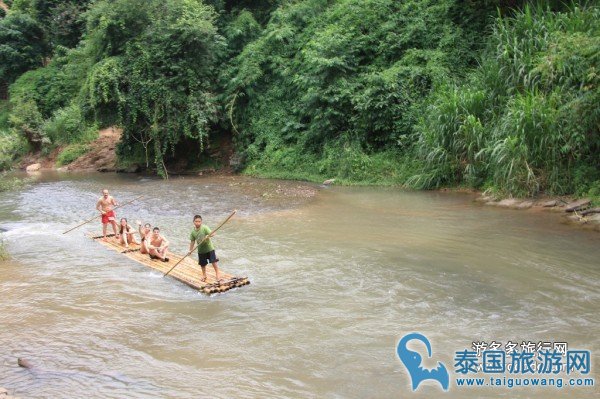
(94, 218)
(200, 243)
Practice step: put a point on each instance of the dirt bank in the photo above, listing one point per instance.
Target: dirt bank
(102, 156)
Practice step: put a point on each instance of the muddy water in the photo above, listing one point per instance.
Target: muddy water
(337, 280)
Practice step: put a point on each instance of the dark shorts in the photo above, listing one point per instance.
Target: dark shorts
(204, 258)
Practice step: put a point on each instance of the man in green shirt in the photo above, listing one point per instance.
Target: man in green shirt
(206, 251)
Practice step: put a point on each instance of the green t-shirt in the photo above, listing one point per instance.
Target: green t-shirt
(198, 235)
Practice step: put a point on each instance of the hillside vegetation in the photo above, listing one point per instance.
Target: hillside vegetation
(498, 95)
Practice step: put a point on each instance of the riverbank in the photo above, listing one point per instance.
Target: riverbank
(581, 212)
(576, 211)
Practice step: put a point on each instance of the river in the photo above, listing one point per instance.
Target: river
(336, 280)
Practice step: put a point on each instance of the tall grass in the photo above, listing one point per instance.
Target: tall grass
(527, 119)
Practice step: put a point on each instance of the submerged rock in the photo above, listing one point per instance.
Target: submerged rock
(24, 363)
(508, 202)
(578, 205)
(525, 205)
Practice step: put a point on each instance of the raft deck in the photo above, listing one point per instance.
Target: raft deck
(188, 271)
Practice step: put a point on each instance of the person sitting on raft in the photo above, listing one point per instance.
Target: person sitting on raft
(158, 245)
(126, 232)
(145, 233)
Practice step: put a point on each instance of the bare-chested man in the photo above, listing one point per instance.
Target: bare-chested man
(105, 206)
(158, 245)
(145, 234)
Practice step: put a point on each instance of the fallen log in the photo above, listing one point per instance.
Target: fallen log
(590, 211)
(578, 205)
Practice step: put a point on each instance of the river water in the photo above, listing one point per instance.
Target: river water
(337, 280)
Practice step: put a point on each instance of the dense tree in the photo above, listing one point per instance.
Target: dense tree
(62, 21)
(491, 93)
(155, 73)
(23, 45)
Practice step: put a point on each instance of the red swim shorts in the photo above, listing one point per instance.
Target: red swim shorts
(108, 217)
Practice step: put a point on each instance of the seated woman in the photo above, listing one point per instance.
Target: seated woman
(126, 232)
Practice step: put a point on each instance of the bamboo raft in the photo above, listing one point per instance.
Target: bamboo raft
(188, 271)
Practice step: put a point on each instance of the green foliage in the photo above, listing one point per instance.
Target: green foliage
(12, 146)
(68, 125)
(112, 24)
(491, 94)
(27, 121)
(12, 183)
(528, 115)
(44, 111)
(323, 70)
(156, 75)
(4, 113)
(71, 153)
(50, 88)
(62, 21)
(341, 159)
(242, 29)
(23, 45)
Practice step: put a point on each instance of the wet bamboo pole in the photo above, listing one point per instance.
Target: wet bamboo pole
(95, 217)
(200, 243)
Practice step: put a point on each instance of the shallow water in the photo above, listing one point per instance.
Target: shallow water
(337, 280)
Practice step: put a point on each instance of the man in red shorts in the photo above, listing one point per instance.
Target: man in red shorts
(105, 206)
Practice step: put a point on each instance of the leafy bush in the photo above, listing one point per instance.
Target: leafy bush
(23, 45)
(12, 146)
(528, 115)
(4, 113)
(26, 121)
(68, 125)
(71, 153)
(352, 71)
(155, 72)
(54, 86)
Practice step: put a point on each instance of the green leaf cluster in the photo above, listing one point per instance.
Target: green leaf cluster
(527, 119)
